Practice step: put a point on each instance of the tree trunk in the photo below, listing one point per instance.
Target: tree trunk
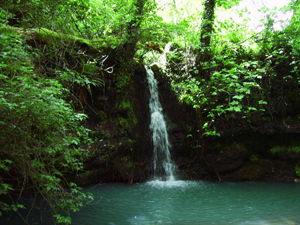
(133, 30)
(207, 23)
(204, 54)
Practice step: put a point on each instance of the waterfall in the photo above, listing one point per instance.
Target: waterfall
(162, 162)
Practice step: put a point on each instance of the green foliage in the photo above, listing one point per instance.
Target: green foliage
(240, 74)
(88, 19)
(278, 149)
(253, 158)
(227, 4)
(126, 161)
(128, 120)
(231, 92)
(297, 170)
(65, 58)
(40, 133)
(63, 16)
(248, 75)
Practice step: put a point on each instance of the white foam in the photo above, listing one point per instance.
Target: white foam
(171, 183)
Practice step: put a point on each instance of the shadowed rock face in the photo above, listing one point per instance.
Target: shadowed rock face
(241, 153)
(123, 152)
(132, 160)
(226, 161)
(251, 156)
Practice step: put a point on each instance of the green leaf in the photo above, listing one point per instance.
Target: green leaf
(252, 108)
(262, 102)
(239, 97)
(237, 109)
(234, 103)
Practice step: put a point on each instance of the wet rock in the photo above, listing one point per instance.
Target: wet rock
(228, 160)
(297, 180)
(89, 177)
(262, 169)
(246, 173)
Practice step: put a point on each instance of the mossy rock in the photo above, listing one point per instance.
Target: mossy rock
(123, 164)
(123, 169)
(229, 158)
(246, 173)
(104, 45)
(87, 178)
(254, 158)
(297, 170)
(286, 152)
(54, 38)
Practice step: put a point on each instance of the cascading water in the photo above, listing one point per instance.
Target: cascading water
(162, 162)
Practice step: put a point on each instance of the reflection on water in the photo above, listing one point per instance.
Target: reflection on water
(191, 203)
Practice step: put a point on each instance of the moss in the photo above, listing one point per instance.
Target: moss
(297, 170)
(103, 116)
(253, 158)
(291, 149)
(233, 147)
(107, 42)
(254, 172)
(123, 164)
(124, 167)
(89, 69)
(127, 162)
(128, 119)
(53, 38)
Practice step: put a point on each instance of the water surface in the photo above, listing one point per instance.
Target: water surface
(185, 203)
(193, 203)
